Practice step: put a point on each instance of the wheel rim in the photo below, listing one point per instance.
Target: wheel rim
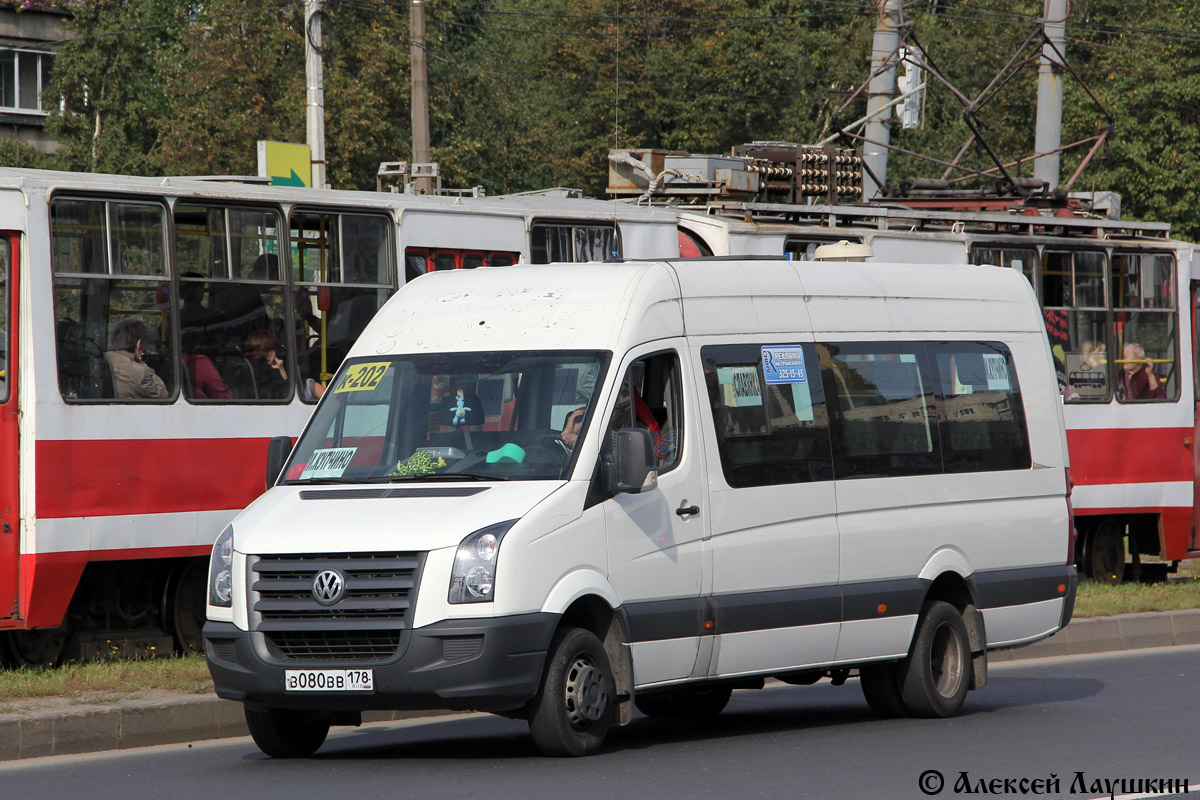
(585, 693)
(946, 661)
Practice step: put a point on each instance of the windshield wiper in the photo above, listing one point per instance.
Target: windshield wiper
(321, 481)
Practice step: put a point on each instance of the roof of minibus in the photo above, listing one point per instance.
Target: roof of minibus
(615, 306)
(233, 188)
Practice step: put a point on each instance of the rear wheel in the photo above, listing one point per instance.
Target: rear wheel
(935, 676)
(573, 710)
(685, 702)
(282, 733)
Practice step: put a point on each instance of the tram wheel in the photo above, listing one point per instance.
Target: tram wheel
(1104, 553)
(185, 605)
(40, 648)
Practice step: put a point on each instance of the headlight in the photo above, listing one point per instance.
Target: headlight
(473, 579)
(220, 571)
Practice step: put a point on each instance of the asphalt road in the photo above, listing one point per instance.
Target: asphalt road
(1113, 716)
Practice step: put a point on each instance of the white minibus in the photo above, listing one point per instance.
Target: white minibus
(559, 493)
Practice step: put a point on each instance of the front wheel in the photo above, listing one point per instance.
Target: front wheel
(572, 712)
(282, 733)
(935, 676)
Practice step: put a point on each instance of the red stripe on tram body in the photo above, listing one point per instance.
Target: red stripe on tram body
(111, 477)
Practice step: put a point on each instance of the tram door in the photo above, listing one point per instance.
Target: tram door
(10, 527)
(1194, 543)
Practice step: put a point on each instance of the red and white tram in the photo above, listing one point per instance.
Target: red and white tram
(1115, 294)
(156, 333)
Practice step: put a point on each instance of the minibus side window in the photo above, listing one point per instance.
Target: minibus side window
(883, 416)
(1144, 327)
(112, 300)
(768, 433)
(979, 405)
(651, 398)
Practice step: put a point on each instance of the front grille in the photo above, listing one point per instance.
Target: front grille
(364, 625)
(355, 646)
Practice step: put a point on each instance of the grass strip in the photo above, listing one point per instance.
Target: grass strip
(1099, 600)
(111, 680)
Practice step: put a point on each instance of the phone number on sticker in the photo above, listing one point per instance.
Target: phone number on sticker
(329, 680)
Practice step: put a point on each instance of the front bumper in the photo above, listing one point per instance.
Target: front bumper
(478, 664)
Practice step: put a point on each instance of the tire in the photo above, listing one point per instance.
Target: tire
(1104, 553)
(881, 686)
(935, 676)
(573, 709)
(282, 733)
(685, 702)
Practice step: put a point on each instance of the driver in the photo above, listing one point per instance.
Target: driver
(571, 426)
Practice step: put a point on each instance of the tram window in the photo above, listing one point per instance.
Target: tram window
(472, 261)
(574, 241)
(231, 300)
(501, 260)
(1008, 257)
(444, 261)
(1144, 327)
(112, 300)
(1075, 310)
(342, 276)
(416, 264)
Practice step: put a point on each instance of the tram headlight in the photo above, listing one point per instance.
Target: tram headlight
(220, 571)
(473, 578)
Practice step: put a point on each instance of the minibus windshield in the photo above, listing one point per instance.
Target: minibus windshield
(451, 417)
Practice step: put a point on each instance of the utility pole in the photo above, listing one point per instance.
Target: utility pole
(420, 92)
(880, 91)
(314, 117)
(1048, 134)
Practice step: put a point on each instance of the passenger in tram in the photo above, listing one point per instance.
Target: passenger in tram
(240, 307)
(1137, 380)
(132, 378)
(206, 381)
(195, 318)
(264, 353)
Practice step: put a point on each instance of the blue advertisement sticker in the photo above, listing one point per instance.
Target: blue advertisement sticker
(783, 365)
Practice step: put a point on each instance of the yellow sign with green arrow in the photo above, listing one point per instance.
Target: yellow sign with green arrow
(284, 163)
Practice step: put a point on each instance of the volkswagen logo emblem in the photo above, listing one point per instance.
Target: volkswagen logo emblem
(328, 587)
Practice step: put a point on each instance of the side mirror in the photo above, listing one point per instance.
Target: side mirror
(635, 462)
(278, 450)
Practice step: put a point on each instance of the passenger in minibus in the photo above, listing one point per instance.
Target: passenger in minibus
(132, 378)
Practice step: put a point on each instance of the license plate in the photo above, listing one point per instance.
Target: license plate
(329, 680)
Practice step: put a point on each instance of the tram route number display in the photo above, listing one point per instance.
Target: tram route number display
(329, 680)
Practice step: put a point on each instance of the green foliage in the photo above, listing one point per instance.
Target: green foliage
(526, 94)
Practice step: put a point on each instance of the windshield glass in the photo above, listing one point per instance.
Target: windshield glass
(451, 416)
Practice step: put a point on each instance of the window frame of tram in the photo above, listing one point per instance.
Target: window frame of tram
(110, 273)
(232, 303)
(420, 261)
(1138, 280)
(573, 241)
(1088, 361)
(335, 297)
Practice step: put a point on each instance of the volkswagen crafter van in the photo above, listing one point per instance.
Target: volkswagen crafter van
(561, 492)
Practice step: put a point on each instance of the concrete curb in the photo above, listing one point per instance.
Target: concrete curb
(173, 719)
